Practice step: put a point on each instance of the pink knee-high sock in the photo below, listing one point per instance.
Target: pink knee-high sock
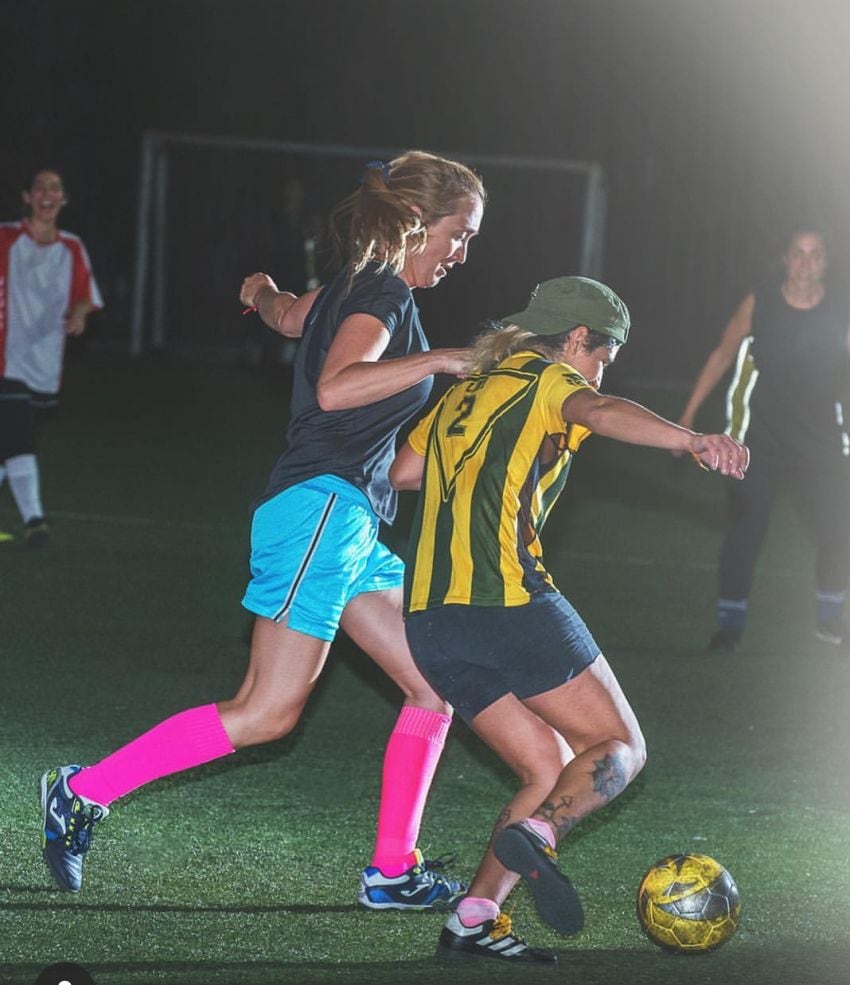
(187, 739)
(409, 763)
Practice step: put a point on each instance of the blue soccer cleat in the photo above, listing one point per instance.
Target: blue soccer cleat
(421, 887)
(67, 827)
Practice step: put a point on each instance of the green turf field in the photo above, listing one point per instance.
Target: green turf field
(245, 871)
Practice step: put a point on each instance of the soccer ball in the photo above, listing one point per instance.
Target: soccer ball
(688, 904)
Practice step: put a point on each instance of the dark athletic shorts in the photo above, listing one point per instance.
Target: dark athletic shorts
(472, 655)
(17, 420)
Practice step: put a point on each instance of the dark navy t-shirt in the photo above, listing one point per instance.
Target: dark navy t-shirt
(357, 445)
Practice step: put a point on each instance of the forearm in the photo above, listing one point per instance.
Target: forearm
(367, 382)
(274, 306)
(624, 420)
(712, 373)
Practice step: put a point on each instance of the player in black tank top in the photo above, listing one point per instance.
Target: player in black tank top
(789, 341)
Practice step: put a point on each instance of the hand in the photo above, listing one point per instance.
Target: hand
(251, 287)
(75, 323)
(720, 453)
(456, 362)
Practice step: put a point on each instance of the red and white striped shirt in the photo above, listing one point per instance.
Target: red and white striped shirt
(39, 283)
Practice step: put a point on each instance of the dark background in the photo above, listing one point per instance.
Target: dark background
(719, 123)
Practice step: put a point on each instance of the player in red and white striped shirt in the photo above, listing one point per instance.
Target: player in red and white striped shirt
(47, 291)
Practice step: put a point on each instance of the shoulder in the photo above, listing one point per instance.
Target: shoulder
(71, 242)
(379, 293)
(372, 282)
(10, 231)
(560, 380)
(837, 301)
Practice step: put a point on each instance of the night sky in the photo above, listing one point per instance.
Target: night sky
(718, 123)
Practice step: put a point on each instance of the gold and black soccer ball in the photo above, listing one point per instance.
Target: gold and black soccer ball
(688, 904)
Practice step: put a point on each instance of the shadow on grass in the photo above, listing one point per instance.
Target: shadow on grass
(804, 964)
(71, 903)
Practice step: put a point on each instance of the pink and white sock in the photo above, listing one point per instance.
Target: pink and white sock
(543, 828)
(474, 910)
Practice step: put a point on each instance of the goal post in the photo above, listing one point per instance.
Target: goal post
(202, 198)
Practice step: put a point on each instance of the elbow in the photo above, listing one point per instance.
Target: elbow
(404, 484)
(405, 475)
(328, 397)
(289, 327)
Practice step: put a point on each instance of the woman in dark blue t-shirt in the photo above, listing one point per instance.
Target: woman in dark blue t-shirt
(363, 369)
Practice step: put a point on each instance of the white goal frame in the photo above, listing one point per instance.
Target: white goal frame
(149, 279)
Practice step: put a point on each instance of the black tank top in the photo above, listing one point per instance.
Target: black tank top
(801, 360)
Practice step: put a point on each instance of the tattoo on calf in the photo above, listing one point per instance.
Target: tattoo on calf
(609, 777)
(556, 814)
(502, 821)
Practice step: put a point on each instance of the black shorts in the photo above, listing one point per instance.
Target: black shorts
(472, 655)
(21, 410)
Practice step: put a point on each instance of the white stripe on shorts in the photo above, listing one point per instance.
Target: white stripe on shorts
(283, 611)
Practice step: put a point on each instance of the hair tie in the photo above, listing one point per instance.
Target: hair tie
(378, 166)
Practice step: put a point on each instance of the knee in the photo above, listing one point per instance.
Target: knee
(424, 696)
(637, 750)
(251, 726)
(632, 754)
(544, 769)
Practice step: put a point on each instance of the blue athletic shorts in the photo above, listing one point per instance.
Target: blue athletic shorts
(315, 546)
(472, 655)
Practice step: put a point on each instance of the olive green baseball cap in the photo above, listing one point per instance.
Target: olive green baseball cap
(558, 305)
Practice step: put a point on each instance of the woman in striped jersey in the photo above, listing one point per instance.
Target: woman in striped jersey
(487, 626)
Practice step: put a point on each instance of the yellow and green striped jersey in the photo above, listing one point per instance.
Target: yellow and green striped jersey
(497, 456)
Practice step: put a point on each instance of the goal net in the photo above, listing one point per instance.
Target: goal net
(213, 209)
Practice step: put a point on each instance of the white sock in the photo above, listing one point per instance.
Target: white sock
(23, 481)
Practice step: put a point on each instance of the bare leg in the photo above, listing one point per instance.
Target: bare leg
(283, 668)
(537, 754)
(589, 713)
(592, 714)
(374, 621)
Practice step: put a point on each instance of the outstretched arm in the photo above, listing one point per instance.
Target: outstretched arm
(715, 367)
(624, 420)
(280, 310)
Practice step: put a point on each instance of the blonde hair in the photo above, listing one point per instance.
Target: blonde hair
(388, 216)
(494, 345)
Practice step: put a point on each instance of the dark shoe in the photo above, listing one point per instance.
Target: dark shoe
(725, 640)
(834, 632)
(36, 532)
(521, 849)
(491, 939)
